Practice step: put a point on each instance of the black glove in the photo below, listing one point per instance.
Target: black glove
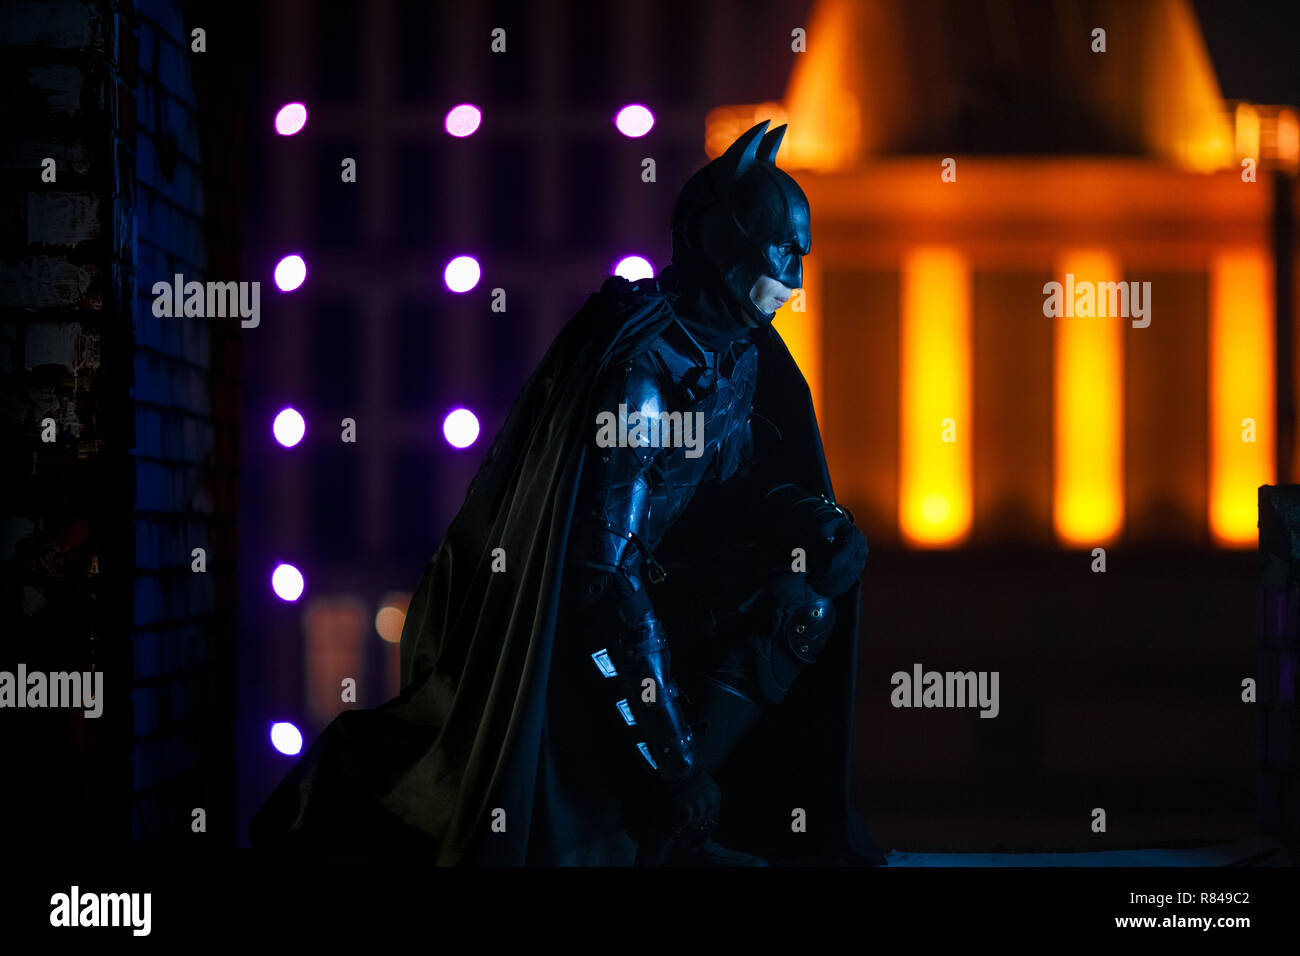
(836, 549)
(685, 807)
(692, 804)
(839, 562)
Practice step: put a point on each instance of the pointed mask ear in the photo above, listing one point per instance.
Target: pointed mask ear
(735, 162)
(770, 143)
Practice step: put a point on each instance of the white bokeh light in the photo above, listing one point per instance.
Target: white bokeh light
(460, 428)
(290, 272)
(463, 120)
(289, 427)
(287, 582)
(632, 268)
(634, 120)
(286, 738)
(291, 119)
(462, 274)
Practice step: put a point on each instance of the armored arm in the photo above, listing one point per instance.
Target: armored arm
(610, 560)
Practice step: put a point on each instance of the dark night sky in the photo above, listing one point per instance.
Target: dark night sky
(1255, 47)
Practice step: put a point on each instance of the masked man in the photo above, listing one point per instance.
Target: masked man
(637, 642)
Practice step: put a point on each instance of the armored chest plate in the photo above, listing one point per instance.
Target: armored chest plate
(715, 404)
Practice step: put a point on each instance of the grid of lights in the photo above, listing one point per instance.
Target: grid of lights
(460, 426)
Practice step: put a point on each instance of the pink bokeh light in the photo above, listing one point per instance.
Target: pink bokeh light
(287, 582)
(463, 120)
(460, 428)
(462, 274)
(634, 120)
(632, 268)
(290, 273)
(291, 119)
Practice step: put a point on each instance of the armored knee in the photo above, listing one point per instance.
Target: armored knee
(792, 625)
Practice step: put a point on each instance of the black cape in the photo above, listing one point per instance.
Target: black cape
(461, 767)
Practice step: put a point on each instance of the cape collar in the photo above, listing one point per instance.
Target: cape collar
(703, 309)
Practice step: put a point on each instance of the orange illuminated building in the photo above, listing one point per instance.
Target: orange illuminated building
(947, 193)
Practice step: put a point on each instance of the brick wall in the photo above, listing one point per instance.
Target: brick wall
(65, 373)
(185, 408)
(142, 414)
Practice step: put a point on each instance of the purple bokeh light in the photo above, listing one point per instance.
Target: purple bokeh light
(634, 120)
(463, 120)
(286, 738)
(462, 274)
(291, 119)
(632, 268)
(287, 582)
(460, 428)
(290, 272)
(289, 427)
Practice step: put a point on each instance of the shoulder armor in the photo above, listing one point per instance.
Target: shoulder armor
(636, 385)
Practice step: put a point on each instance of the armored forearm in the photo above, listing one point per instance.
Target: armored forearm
(637, 660)
(610, 558)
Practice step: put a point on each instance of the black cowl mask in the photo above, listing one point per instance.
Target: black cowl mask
(736, 219)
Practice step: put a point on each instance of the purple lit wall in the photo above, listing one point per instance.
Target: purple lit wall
(491, 195)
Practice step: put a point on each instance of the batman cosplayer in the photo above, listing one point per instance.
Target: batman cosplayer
(657, 667)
